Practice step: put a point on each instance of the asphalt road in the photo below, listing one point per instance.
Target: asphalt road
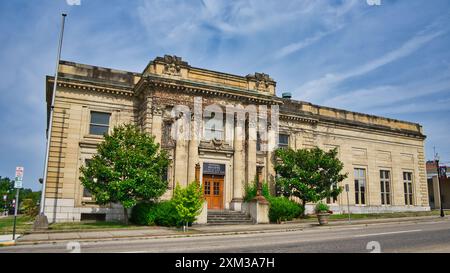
(430, 236)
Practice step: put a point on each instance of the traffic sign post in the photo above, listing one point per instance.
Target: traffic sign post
(347, 189)
(18, 185)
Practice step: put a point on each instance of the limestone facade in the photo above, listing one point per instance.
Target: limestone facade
(364, 142)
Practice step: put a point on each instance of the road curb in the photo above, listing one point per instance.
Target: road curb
(10, 243)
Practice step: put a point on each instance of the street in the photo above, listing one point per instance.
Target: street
(427, 236)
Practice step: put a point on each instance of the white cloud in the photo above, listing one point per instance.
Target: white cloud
(318, 89)
(375, 98)
(294, 47)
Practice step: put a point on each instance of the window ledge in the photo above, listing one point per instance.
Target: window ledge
(86, 201)
(94, 136)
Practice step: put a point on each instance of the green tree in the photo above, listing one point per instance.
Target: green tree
(29, 207)
(7, 188)
(309, 174)
(128, 167)
(188, 202)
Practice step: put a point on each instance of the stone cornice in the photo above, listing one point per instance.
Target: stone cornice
(371, 127)
(298, 118)
(89, 86)
(205, 89)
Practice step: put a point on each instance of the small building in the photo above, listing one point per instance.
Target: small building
(438, 188)
(384, 158)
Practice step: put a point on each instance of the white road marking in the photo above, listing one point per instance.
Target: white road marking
(388, 233)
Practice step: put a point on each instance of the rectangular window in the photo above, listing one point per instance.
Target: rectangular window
(86, 192)
(360, 186)
(332, 200)
(408, 188)
(214, 127)
(283, 141)
(207, 188)
(385, 186)
(258, 142)
(216, 188)
(99, 124)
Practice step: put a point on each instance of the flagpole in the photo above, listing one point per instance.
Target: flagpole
(42, 221)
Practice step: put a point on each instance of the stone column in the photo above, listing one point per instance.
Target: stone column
(181, 155)
(238, 167)
(193, 151)
(157, 124)
(270, 168)
(251, 152)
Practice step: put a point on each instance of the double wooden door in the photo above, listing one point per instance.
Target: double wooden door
(213, 191)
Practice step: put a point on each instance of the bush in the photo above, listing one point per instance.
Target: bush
(252, 189)
(322, 208)
(166, 214)
(283, 209)
(162, 214)
(142, 214)
(188, 202)
(29, 207)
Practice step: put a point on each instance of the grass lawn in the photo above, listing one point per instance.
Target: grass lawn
(24, 224)
(90, 225)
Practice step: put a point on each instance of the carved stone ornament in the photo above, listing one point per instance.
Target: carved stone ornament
(215, 145)
(157, 110)
(218, 143)
(262, 81)
(172, 65)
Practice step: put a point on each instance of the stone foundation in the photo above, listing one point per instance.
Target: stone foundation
(64, 210)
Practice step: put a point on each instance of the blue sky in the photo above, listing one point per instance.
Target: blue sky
(391, 60)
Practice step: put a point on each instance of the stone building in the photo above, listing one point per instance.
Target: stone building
(383, 157)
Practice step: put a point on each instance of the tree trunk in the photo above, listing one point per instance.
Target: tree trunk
(125, 214)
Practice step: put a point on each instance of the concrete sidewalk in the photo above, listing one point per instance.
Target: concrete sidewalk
(199, 230)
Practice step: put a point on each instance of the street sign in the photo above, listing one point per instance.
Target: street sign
(18, 183)
(19, 178)
(347, 188)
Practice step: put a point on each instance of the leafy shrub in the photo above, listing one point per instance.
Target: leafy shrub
(166, 214)
(30, 207)
(322, 208)
(188, 202)
(148, 214)
(251, 189)
(283, 209)
(142, 214)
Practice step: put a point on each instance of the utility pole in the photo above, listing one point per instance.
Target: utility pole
(41, 220)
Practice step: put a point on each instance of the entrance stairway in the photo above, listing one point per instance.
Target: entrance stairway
(228, 217)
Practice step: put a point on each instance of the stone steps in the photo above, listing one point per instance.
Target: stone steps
(227, 217)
